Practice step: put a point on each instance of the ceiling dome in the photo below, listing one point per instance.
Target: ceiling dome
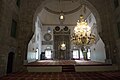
(66, 6)
(72, 9)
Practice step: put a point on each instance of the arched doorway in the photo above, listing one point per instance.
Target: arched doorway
(87, 3)
(10, 62)
(92, 18)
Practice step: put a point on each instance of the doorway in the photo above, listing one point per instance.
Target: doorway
(10, 62)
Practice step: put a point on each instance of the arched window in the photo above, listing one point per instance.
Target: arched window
(75, 54)
(48, 54)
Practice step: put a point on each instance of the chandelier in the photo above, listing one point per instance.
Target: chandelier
(82, 34)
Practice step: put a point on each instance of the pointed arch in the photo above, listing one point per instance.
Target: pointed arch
(83, 2)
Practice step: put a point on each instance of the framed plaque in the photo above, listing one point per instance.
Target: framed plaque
(47, 36)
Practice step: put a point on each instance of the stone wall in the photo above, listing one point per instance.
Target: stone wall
(116, 19)
(107, 35)
(8, 11)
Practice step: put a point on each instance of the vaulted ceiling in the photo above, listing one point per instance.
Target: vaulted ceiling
(72, 9)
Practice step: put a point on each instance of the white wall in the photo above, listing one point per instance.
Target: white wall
(31, 56)
(35, 43)
(38, 36)
(96, 55)
(44, 30)
(91, 20)
(98, 51)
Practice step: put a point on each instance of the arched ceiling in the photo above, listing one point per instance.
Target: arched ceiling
(71, 9)
(66, 6)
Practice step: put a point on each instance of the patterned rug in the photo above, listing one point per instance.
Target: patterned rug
(112, 75)
(65, 62)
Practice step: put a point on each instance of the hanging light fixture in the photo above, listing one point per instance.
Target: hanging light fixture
(61, 15)
(82, 35)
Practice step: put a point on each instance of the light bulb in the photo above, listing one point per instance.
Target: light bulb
(63, 45)
(61, 17)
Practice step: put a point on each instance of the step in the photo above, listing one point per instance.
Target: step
(68, 68)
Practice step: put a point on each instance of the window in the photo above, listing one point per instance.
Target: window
(81, 54)
(75, 54)
(13, 29)
(88, 54)
(18, 3)
(37, 52)
(118, 27)
(48, 54)
(116, 3)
